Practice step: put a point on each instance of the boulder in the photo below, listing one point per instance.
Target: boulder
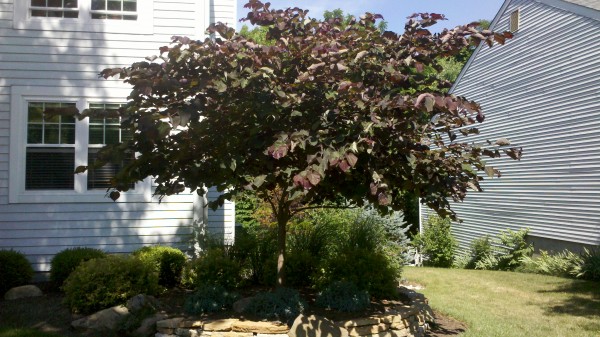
(22, 292)
(315, 326)
(148, 325)
(141, 301)
(241, 305)
(107, 319)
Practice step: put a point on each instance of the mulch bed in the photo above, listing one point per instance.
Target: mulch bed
(49, 314)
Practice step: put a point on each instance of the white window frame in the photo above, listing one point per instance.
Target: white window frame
(84, 23)
(20, 98)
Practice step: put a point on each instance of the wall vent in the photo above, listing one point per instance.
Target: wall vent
(513, 24)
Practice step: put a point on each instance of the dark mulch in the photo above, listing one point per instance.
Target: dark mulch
(445, 326)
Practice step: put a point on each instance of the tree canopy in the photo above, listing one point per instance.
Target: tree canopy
(333, 109)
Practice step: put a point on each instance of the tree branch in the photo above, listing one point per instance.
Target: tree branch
(300, 209)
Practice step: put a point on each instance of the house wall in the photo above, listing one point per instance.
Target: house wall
(73, 59)
(540, 90)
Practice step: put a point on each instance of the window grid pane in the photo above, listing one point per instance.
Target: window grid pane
(54, 8)
(105, 130)
(43, 129)
(114, 9)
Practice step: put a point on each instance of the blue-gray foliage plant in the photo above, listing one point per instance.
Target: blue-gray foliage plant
(396, 232)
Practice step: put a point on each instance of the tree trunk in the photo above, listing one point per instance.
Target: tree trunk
(282, 220)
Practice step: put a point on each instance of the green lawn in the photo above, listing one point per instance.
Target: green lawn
(506, 304)
(17, 332)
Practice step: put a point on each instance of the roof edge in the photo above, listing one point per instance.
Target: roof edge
(492, 28)
(573, 7)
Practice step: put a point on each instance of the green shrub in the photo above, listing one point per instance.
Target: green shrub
(213, 267)
(436, 243)
(479, 250)
(562, 264)
(167, 261)
(65, 262)
(15, 270)
(360, 257)
(210, 298)
(343, 296)
(590, 268)
(102, 283)
(369, 270)
(284, 304)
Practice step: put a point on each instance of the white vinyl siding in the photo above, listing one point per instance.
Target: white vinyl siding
(541, 91)
(72, 60)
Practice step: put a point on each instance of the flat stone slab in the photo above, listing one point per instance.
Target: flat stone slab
(107, 319)
(170, 323)
(219, 324)
(315, 326)
(360, 322)
(259, 327)
(368, 329)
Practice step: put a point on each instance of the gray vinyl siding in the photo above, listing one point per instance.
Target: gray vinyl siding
(541, 90)
(74, 59)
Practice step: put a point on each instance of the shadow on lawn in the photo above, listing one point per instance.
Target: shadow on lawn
(583, 301)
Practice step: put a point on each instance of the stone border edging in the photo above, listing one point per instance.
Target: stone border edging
(402, 321)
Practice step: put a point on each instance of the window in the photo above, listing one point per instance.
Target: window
(102, 131)
(50, 150)
(513, 24)
(53, 143)
(112, 16)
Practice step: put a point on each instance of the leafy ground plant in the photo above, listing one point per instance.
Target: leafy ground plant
(343, 296)
(590, 268)
(210, 298)
(283, 304)
(562, 264)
